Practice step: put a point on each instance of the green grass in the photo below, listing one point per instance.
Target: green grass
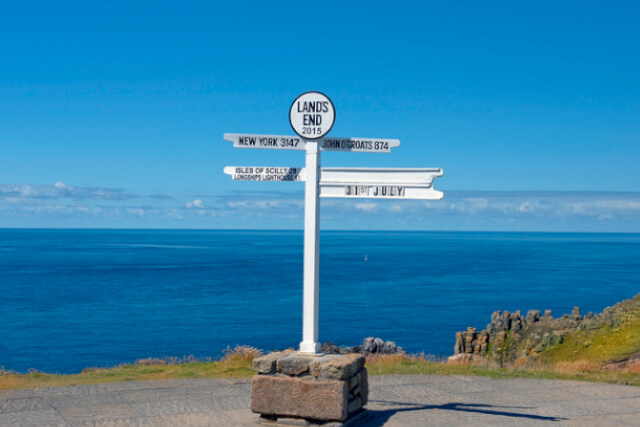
(220, 369)
(608, 343)
(239, 366)
(403, 365)
(236, 364)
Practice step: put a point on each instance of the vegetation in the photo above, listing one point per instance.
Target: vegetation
(402, 365)
(612, 342)
(237, 364)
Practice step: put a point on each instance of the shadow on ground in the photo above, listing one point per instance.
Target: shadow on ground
(380, 417)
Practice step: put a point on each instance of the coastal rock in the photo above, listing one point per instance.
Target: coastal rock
(516, 323)
(500, 338)
(389, 347)
(511, 337)
(375, 345)
(469, 338)
(506, 320)
(372, 345)
(548, 341)
(459, 346)
(533, 316)
(466, 359)
(575, 314)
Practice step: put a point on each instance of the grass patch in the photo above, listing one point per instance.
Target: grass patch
(608, 343)
(237, 364)
(419, 365)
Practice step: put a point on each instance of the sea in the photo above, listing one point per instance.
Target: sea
(72, 299)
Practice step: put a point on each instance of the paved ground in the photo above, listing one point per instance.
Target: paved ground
(411, 400)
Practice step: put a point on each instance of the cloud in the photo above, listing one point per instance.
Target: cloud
(367, 207)
(34, 205)
(24, 193)
(197, 203)
(550, 204)
(471, 207)
(272, 201)
(161, 197)
(494, 210)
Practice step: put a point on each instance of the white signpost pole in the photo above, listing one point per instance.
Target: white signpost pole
(311, 276)
(312, 116)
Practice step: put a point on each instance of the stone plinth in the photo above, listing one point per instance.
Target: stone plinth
(330, 387)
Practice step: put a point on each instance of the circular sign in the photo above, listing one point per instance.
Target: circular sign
(312, 115)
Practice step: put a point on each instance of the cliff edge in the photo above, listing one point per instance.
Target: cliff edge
(608, 339)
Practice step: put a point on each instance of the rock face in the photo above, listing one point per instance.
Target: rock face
(374, 345)
(370, 345)
(330, 387)
(512, 336)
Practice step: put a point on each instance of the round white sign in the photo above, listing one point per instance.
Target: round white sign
(312, 115)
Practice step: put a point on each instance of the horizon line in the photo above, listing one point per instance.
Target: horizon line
(302, 230)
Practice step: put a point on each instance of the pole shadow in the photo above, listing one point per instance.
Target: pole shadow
(380, 417)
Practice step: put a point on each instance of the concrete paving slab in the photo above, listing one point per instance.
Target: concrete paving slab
(399, 400)
(37, 418)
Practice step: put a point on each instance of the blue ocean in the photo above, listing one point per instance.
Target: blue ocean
(92, 298)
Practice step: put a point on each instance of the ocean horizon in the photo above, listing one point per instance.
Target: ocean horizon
(77, 298)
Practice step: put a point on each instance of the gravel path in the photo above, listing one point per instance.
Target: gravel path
(399, 400)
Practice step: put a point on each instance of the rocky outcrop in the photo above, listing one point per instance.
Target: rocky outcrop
(512, 336)
(369, 346)
(374, 345)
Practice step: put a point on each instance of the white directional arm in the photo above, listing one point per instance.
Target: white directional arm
(265, 173)
(270, 142)
(380, 183)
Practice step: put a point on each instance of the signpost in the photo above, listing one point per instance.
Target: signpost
(312, 116)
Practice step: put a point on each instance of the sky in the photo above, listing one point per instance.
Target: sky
(112, 114)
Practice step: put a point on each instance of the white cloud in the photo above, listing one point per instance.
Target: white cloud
(528, 206)
(367, 207)
(136, 211)
(598, 211)
(197, 203)
(60, 190)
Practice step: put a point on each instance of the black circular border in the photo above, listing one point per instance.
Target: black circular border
(332, 106)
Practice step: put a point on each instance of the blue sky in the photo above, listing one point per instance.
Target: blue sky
(112, 114)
